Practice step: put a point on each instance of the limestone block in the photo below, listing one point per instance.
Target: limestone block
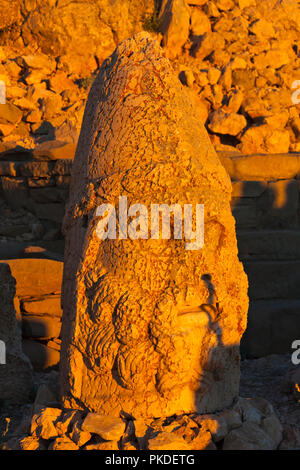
(36, 277)
(40, 326)
(262, 167)
(54, 150)
(245, 212)
(273, 279)
(269, 244)
(41, 356)
(49, 305)
(248, 188)
(271, 327)
(149, 327)
(15, 191)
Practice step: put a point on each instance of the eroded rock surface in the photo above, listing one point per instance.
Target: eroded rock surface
(149, 327)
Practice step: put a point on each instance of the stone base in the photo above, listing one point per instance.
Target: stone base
(250, 424)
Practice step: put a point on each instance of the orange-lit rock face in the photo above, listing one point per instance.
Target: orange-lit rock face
(149, 327)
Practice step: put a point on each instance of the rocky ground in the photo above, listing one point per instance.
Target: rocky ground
(272, 378)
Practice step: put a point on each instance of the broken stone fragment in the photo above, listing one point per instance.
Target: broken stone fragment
(42, 424)
(225, 123)
(54, 150)
(32, 443)
(10, 114)
(174, 22)
(248, 437)
(109, 445)
(63, 443)
(109, 428)
(215, 424)
(167, 441)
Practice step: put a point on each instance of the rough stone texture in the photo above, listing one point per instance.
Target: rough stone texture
(16, 374)
(43, 423)
(250, 47)
(167, 441)
(148, 327)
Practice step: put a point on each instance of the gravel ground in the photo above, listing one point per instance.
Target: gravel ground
(269, 378)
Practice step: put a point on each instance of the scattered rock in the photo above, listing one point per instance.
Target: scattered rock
(224, 123)
(167, 441)
(109, 445)
(248, 437)
(108, 427)
(63, 443)
(42, 424)
(291, 438)
(10, 114)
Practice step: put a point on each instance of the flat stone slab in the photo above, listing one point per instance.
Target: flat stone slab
(261, 167)
(273, 279)
(269, 244)
(272, 327)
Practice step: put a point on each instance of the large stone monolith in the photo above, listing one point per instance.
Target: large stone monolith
(150, 327)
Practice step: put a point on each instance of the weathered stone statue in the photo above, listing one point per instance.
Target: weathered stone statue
(151, 325)
(15, 368)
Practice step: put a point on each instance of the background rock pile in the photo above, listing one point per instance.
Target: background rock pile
(239, 59)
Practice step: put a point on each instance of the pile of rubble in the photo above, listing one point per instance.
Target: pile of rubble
(239, 59)
(250, 424)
